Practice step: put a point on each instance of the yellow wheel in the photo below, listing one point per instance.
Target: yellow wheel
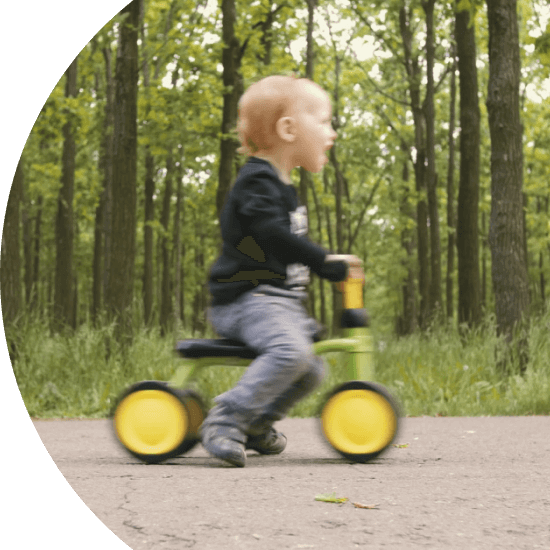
(154, 423)
(196, 413)
(360, 420)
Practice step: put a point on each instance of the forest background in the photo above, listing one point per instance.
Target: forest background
(403, 173)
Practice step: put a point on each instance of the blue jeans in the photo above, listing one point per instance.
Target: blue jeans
(274, 322)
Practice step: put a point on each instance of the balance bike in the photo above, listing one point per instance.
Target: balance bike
(156, 421)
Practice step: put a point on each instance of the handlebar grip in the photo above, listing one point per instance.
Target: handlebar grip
(352, 292)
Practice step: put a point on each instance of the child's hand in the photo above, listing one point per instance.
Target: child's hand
(355, 264)
(356, 272)
(350, 259)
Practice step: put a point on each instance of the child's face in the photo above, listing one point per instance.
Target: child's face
(315, 133)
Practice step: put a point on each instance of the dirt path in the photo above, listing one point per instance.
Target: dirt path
(470, 483)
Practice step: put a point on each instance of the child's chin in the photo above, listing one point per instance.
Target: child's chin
(316, 167)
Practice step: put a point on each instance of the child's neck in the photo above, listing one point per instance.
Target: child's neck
(281, 164)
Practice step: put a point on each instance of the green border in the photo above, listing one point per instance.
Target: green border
(38, 42)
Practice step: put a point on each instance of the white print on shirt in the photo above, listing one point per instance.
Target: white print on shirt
(298, 274)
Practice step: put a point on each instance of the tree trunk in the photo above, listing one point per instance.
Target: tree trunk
(338, 194)
(182, 296)
(64, 230)
(28, 250)
(75, 303)
(266, 38)
(469, 290)
(340, 181)
(340, 189)
(97, 262)
(318, 210)
(148, 241)
(10, 271)
(166, 285)
(149, 263)
(177, 245)
(509, 273)
(305, 178)
(121, 277)
(408, 321)
(233, 88)
(484, 255)
(333, 246)
(108, 174)
(103, 210)
(36, 256)
(414, 78)
(199, 299)
(451, 224)
(542, 278)
(310, 60)
(431, 175)
(149, 183)
(542, 281)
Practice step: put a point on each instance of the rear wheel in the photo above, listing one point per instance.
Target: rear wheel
(155, 422)
(360, 420)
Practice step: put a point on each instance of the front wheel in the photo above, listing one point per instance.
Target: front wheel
(155, 422)
(360, 420)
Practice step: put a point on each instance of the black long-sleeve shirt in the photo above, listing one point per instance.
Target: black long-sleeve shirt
(264, 238)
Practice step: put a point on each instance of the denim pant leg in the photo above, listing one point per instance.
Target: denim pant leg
(275, 323)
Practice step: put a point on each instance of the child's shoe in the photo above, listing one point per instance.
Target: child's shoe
(225, 442)
(268, 443)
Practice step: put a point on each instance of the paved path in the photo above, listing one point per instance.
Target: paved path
(471, 483)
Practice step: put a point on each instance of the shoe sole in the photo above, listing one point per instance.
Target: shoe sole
(232, 458)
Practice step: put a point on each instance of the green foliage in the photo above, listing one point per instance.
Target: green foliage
(440, 372)
(81, 373)
(180, 112)
(437, 373)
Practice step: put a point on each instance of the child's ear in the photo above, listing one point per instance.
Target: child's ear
(286, 128)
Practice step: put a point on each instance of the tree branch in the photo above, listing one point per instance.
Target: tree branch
(368, 202)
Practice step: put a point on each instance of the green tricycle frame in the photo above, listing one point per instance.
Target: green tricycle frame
(359, 418)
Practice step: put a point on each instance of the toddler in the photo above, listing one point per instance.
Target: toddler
(258, 283)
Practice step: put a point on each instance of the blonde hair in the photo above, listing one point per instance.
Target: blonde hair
(261, 106)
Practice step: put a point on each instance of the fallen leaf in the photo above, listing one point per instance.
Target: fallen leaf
(331, 498)
(365, 506)
(402, 446)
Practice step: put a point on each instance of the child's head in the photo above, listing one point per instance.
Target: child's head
(283, 109)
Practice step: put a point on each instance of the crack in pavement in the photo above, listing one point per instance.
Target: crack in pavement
(154, 540)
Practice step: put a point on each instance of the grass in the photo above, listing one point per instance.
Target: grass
(441, 374)
(435, 373)
(81, 374)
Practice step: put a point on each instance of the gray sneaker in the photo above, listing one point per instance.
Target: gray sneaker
(226, 443)
(271, 442)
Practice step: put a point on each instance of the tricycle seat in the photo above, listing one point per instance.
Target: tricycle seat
(217, 347)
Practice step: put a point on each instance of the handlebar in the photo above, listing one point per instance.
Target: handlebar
(352, 288)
